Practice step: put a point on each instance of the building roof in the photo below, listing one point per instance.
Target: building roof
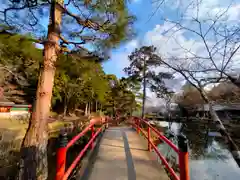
(219, 107)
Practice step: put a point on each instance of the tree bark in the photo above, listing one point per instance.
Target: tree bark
(89, 108)
(96, 105)
(86, 109)
(65, 109)
(65, 103)
(33, 162)
(113, 110)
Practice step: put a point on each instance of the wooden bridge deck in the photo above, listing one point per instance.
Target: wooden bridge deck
(123, 155)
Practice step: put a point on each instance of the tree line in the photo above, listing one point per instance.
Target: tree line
(223, 93)
(80, 81)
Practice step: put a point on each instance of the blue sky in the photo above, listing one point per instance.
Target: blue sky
(142, 9)
(157, 30)
(173, 42)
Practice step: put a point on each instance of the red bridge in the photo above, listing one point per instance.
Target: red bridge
(120, 153)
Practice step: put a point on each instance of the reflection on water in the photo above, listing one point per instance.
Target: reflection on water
(209, 156)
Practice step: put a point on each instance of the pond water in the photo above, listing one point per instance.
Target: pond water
(209, 156)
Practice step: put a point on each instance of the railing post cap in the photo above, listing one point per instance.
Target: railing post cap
(62, 139)
(182, 137)
(182, 143)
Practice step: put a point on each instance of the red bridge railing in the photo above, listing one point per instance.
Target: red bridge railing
(62, 173)
(181, 150)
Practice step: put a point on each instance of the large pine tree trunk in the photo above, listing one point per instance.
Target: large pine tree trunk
(33, 163)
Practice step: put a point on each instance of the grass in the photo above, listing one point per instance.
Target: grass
(12, 133)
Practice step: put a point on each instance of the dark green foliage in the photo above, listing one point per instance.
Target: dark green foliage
(120, 100)
(102, 24)
(142, 71)
(19, 65)
(142, 59)
(146, 59)
(157, 84)
(79, 78)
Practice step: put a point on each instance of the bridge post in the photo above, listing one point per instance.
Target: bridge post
(107, 119)
(138, 126)
(61, 155)
(149, 139)
(92, 130)
(133, 122)
(183, 157)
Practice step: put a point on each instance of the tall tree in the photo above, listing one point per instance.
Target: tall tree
(211, 55)
(120, 100)
(105, 24)
(141, 70)
(215, 37)
(158, 86)
(200, 84)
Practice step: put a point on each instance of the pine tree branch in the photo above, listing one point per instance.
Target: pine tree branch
(85, 23)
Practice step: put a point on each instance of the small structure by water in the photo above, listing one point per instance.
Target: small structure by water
(9, 109)
(210, 158)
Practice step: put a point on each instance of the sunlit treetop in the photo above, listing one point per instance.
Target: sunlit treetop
(102, 23)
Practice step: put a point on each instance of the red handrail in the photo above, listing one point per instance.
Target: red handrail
(81, 134)
(62, 151)
(182, 152)
(75, 162)
(162, 137)
(61, 174)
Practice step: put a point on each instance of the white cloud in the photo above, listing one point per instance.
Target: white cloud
(213, 8)
(132, 45)
(172, 42)
(204, 9)
(120, 58)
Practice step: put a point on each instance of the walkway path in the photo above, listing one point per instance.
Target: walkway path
(123, 155)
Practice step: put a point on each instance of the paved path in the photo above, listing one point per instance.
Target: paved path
(123, 155)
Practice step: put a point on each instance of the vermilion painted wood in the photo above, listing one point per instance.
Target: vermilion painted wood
(162, 137)
(61, 162)
(183, 156)
(149, 139)
(61, 152)
(75, 162)
(174, 175)
(92, 144)
(184, 166)
(172, 172)
(73, 140)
